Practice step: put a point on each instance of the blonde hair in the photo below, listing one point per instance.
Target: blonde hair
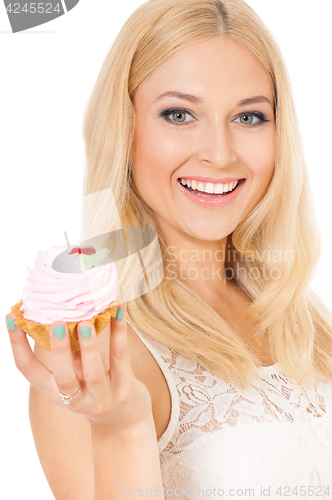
(285, 311)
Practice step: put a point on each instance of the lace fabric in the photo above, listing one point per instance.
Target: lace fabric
(275, 435)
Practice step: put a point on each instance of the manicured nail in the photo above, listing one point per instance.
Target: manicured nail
(59, 331)
(85, 332)
(10, 323)
(119, 313)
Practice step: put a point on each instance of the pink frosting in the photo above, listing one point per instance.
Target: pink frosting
(50, 295)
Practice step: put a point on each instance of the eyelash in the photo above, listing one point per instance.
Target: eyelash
(165, 114)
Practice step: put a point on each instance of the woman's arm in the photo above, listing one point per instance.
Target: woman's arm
(85, 451)
(80, 464)
(123, 465)
(63, 444)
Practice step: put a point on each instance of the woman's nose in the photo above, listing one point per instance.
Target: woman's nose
(215, 146)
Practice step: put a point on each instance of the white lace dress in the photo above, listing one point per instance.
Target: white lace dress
(273, 441)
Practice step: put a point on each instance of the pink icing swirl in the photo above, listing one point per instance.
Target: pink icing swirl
(50, 295)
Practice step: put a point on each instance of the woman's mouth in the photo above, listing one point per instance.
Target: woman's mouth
(210, 199)
(205, 194)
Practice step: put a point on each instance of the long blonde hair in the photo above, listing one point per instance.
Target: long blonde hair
(286, 312)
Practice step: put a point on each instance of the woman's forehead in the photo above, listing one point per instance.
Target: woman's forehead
(219, 67)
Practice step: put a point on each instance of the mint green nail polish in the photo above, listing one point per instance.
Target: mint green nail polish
(59, 331)
(85, 332)
(10, 323)
(119, 313)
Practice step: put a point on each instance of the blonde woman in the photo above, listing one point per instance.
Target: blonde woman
(218, 381)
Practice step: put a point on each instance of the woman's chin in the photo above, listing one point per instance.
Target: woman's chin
(204, 232)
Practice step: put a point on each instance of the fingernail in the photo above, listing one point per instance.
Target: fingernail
(59, 331)
(85, 332)
(10, 323)
(119, 313)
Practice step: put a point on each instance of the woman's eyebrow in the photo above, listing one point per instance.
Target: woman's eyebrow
(180, 95)
(255, 100)
(195, 99)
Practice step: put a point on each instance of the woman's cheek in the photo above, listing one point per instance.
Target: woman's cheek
(260, 156)
(167, 153)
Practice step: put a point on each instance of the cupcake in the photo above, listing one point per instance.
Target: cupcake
(68, 284)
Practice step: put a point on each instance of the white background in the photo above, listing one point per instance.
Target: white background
(47, 75)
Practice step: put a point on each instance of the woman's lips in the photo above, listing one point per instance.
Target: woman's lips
(208, 200)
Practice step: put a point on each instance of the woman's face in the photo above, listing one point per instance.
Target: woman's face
(209, 134)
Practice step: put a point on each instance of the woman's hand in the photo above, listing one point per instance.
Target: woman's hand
(111, 398)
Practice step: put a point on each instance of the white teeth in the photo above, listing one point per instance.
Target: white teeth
(209, 187)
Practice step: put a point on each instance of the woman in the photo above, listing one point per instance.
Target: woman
(194, 95)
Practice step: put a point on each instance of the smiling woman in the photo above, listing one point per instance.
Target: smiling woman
(209, 110)
(224, 133)
(192, 126)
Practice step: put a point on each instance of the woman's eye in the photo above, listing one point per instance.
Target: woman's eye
(249, 118)
(177, 116)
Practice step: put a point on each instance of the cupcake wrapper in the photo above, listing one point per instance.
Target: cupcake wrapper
(40, 333)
